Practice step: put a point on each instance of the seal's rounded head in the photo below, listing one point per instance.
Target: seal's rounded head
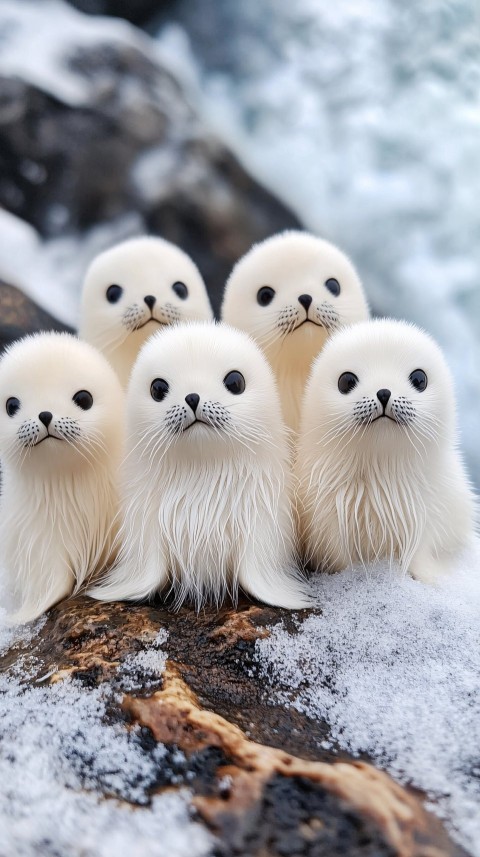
(203, 383)
(60, 403)
(140, 284)
(292, 285)
(380, 380)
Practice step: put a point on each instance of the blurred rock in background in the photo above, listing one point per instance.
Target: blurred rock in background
(96, 134)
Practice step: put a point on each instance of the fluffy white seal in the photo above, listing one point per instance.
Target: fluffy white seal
(291, 292)
(207, 493)
(133, 289)
(61, 444)
(379, 469)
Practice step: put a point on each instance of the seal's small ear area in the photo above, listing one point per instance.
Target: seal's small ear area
(83, 399)
(265, 295)
(234, 382)
(159, 389)
(347, 382)
(418, 379)
(180, 290)
(12, 406)
(333, 286)
(114, 293)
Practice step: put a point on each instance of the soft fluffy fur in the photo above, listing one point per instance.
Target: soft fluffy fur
(382, 488)
(143, 267)
(293, 264)
(59, 494)
(207, 505)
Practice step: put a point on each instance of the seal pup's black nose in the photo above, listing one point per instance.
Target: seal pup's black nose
(305, 301)
(383, 396)
(192, 400)
(45, 417)
(150, 301)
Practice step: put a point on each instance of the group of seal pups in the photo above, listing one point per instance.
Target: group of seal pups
(295, 432)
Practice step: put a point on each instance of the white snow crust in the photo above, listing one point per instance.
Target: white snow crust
(69, 773)
(393, 666)
(39, 39)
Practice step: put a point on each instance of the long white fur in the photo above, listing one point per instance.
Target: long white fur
(59, 496)
(394, 488)
(293, 264)
(207, 509)
(141, 266)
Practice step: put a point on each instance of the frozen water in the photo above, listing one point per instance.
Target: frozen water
(69, 773)
(393, 666)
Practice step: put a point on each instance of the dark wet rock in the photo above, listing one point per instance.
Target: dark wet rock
(260, 779)
(20, 315)
(115, 135)
(137, 11)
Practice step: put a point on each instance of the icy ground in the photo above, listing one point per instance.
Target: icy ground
(68, 776)
(393, 666)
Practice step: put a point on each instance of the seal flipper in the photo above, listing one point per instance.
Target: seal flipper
(124, 583)
(36, 606)
(280, 585)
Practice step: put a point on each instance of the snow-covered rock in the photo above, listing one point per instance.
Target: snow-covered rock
(98, 135)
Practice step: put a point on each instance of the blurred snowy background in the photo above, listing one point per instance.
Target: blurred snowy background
(217, 123)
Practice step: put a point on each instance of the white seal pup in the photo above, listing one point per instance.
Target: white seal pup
(207, 494)
(61, 445)
(379, 470)
(132, 289)
(291, 292)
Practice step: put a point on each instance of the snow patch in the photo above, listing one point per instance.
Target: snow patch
(70, 771)
(51, 272)
(39, 40)
(393, 666)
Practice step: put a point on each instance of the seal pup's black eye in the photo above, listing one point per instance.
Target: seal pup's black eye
(114, 293)
(180, 290)
(418, 379)
(12, 406)
(333, 286)
(158, 389)
(83, 399)
(234, 382)
(347, 382)
(265, 295)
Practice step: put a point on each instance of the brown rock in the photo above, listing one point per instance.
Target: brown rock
(20, 315)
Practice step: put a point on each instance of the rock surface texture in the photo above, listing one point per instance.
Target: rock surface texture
(95, 129)
(19, 316)
(260, 781)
